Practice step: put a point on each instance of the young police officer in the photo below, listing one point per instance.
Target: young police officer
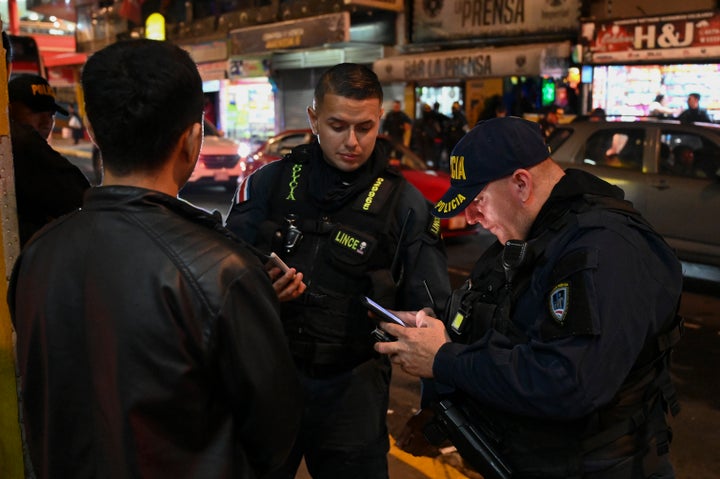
(335, 211)
(557, 345)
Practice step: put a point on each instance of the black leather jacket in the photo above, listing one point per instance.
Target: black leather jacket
(149, 345)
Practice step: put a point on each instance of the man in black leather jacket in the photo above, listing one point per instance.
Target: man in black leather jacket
(148, 338)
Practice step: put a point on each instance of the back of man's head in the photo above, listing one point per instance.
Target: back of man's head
(140, 96)
(349, 80)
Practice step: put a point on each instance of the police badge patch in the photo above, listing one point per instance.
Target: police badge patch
(559, 302)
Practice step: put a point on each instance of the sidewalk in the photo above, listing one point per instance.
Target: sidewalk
(66, 147)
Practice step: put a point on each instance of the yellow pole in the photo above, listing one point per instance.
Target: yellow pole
(11, 458)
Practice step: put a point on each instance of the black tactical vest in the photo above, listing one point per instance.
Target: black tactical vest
(343, 255)
(546, 448)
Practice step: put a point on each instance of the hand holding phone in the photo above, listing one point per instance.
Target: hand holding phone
(378, 333)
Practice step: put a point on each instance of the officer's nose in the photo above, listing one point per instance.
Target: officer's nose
(473, 213)
(351, 140)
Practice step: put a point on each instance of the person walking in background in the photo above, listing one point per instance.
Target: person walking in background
(558, 345)
(149, 342)
(456, 126)
(396, 123)
(694, 113)
(549, 120)
(659, 109)
(336, 211)
(426, 132)
(47, 185)
(75, 124)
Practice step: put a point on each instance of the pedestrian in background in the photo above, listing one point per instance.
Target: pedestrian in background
(47, 185)
(148, 337)
(558, 344)
(456, 126)
(396, 123)
(426, 135)
(694, 113)
(658, 107)
(75, 124)
(335, 210)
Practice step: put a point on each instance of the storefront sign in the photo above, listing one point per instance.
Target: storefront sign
(457, 19)
(208, 52)
(548, 59)
(213, 70)
(248, 67)
(684, 36)
(302, 33)
(393, 5)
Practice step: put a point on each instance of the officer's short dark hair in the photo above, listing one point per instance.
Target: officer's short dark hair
(695, 95)
(140, 96)
(349, 80)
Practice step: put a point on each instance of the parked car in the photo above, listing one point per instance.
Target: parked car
(431, 183)
(670, 171)
(221, 160)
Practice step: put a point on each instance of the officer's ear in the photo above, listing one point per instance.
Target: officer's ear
(521, 183)
(313, 119)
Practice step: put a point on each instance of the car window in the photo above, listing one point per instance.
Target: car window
(615, 147)
(688, 154)
(285, 145)
(558, 137)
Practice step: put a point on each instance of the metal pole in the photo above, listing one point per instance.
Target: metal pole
(11, 457)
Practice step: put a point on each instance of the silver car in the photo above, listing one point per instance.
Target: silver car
(670, 171)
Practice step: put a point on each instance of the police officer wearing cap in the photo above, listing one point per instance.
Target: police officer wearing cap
(556, 348)
(47, 185)
(337, 213)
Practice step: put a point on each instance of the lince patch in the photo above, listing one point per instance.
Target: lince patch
(351, 241)
(559, 302)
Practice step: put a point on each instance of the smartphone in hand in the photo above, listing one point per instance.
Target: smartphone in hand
(276, 261)
(378, 333)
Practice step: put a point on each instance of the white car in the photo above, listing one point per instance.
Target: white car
(221, 162)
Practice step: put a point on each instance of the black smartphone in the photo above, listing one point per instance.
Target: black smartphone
(383, 313)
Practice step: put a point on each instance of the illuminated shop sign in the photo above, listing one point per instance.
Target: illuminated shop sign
(671, 37)
(458, 19)
(544, 59)
(293, 34)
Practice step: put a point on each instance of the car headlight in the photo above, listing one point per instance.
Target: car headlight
(243, 149)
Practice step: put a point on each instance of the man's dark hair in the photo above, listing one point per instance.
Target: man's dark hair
(348, 80)
(695, 95)
(140, 96)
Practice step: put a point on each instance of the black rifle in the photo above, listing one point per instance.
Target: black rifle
(473, 444)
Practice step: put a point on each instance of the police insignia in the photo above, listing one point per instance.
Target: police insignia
(559, 302)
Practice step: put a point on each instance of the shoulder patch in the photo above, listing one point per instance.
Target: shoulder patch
(559, 302)
(433, 226)
(375, 198)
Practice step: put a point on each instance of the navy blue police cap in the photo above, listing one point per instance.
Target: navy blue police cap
(491, 150)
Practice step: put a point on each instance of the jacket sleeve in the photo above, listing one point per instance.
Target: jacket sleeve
(423, 255)
(251, 203)
(625, 294)
(259, 372)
